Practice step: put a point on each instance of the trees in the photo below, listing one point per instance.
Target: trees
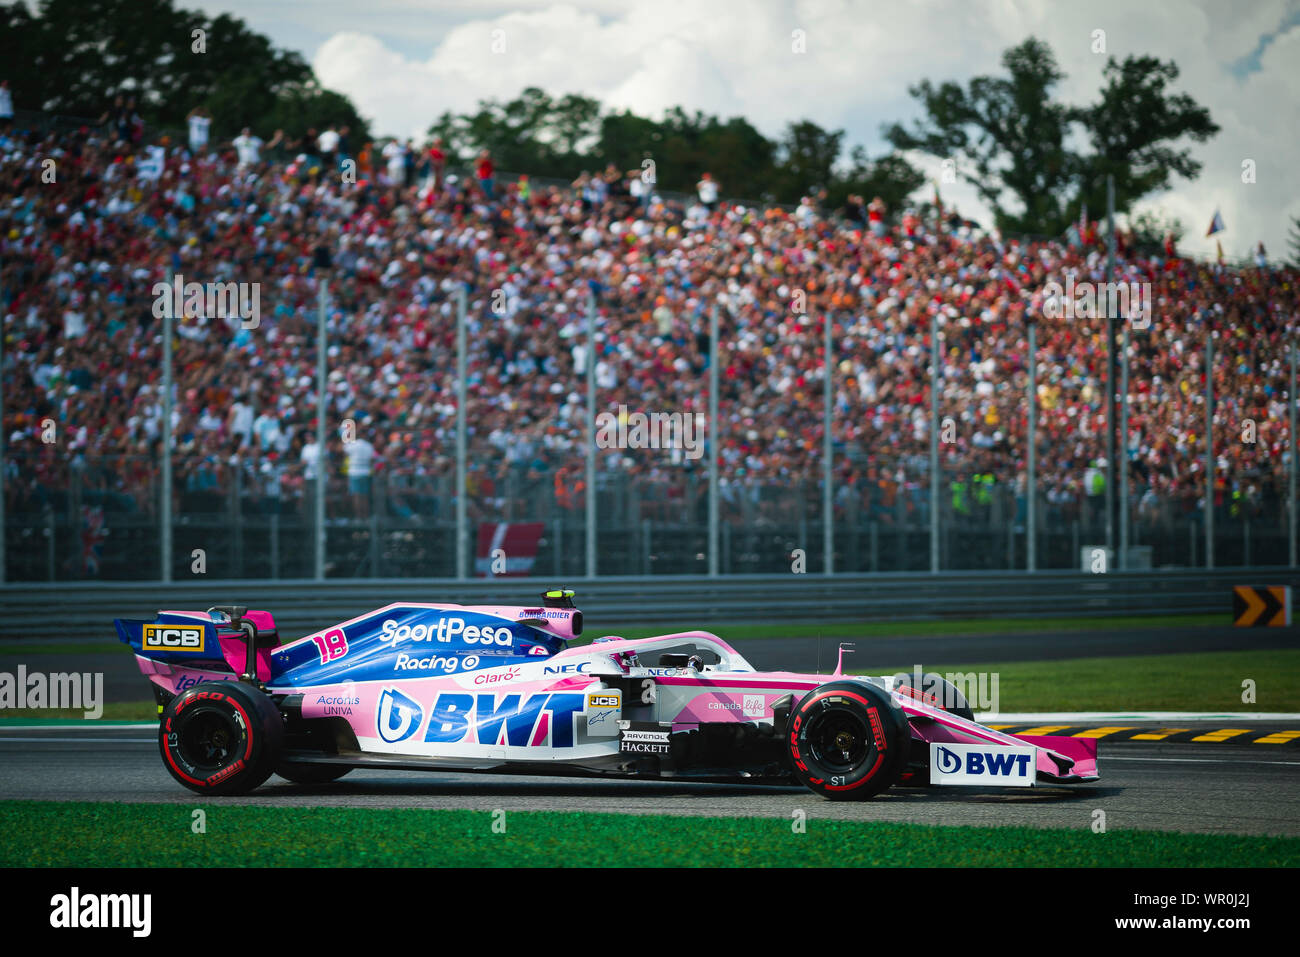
(75, 55)
(1009, 138)
(537, 134)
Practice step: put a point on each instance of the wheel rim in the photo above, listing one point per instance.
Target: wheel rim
(839, 740)
(210, 739)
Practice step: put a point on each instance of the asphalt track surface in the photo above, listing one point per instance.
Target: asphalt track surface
(1164, 787)
(123, 682)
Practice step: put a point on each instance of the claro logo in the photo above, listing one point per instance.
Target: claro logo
(172, 638)
(445, 630)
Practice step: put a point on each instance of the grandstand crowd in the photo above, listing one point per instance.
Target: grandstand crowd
(85, 238)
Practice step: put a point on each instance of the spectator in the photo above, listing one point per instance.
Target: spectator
(707, 189)
(485, 170)
(6, 106)
(360, 456)
(200, 122)
(248, 147)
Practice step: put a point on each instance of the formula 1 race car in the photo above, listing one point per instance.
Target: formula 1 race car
(487, 688)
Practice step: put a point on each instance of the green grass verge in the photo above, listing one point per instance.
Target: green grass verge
(1199, 681)
(743, 631)
(53, 834)
(113, 711)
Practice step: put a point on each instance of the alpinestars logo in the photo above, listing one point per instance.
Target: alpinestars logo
(398, 716)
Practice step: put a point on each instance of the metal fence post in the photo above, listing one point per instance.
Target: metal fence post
(934, 442)
(3, 436)
(165, 515)
(320, 431)
(712, 443)
(1031, 477)
(591, 434)
(1209, 442)
(1121, 453)
(828, 505)
(462, 514)
(1291, 478)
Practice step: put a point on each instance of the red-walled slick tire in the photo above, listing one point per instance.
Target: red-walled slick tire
(847, 741)
(221, 737)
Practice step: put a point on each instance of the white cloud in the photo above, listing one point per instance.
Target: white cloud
(734, 58)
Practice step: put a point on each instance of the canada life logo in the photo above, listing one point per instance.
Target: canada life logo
(398, 716)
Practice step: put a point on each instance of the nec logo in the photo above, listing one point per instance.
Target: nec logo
(991, 763)
(172, 638)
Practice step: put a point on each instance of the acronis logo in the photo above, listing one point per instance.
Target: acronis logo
(398, 716)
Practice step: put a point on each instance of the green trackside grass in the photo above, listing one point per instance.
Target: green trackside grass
(796, 629)
(1201, 681)
(931, 627)
(113, 711)
(53, 834)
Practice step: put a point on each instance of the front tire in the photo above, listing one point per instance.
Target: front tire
(221, 737)
(847, 741)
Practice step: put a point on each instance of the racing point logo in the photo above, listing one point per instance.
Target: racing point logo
(398, 716)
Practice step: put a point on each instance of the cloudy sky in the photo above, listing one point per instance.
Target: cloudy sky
(405, 61)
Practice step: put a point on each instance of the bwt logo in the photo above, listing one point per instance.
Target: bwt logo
(213, 300)
(1110, 300)
(398, 716)
(991, 763)
(656, 430)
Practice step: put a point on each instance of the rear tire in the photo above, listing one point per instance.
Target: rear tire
(847, 741)
(221, 737)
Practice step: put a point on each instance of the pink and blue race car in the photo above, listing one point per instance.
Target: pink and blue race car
(452, 687)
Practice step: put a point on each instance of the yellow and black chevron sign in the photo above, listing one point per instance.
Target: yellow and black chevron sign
(1261, 606)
